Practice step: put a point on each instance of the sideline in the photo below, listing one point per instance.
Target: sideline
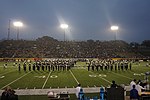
(56, 90)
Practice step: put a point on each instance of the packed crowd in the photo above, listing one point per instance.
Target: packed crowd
(47, 47)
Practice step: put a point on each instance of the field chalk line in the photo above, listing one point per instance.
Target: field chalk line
(15, 80)
(101, 78)
(7, 72)
(74, 77)
(46, 80)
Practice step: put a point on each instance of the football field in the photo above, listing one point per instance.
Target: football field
(10, 76)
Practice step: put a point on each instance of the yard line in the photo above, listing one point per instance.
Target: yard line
(105, 80)
(46, 80)
(74, 77)
(7, 72)
(122, 75)
(15, 80)
(101, 77)
(131, 72)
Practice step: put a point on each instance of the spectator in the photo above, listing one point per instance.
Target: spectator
(73, 49)
(13, 96)
(133, 82)
(9, 94)
(134, 94)
(114, 85)
(81, 94)
(139, 88)
(5, 94)
(78, 88)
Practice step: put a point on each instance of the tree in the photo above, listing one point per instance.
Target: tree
(146, 43)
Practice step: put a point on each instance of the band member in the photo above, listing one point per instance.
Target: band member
(19, 67)
(29, 66)
(24, 67)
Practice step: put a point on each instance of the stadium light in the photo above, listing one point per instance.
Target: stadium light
(64, 27)
(18, 24)
(115, 28)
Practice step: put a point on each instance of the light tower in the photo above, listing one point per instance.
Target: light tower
(8, 34)
(115, 29)
(18, 24)
(64, 27)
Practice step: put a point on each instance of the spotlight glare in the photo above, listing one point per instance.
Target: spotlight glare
(64, 26)
(114, 27)
(18, 24)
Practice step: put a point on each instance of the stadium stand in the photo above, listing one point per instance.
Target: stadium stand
(47, 47)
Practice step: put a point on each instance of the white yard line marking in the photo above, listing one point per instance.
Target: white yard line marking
(105, 80)
(122, 76)
(46, 80)
(74, 77)
(7, 72)
(15, 80)
(131, 72)
(101, 77)
(136, 72)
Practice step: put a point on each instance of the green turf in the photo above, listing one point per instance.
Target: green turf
(62, 79)
(31, 80)
(83, 77)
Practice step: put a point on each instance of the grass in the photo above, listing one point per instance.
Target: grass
(62, 79)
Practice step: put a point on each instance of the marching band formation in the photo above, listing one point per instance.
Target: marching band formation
(63, 64)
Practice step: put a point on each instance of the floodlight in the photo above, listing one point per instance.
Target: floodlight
(114, 27)
(64, 26)
(18, 24)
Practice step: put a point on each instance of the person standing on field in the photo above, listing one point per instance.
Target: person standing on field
(133, 82)
(78, 88)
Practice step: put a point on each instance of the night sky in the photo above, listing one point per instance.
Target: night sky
(87, 19)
